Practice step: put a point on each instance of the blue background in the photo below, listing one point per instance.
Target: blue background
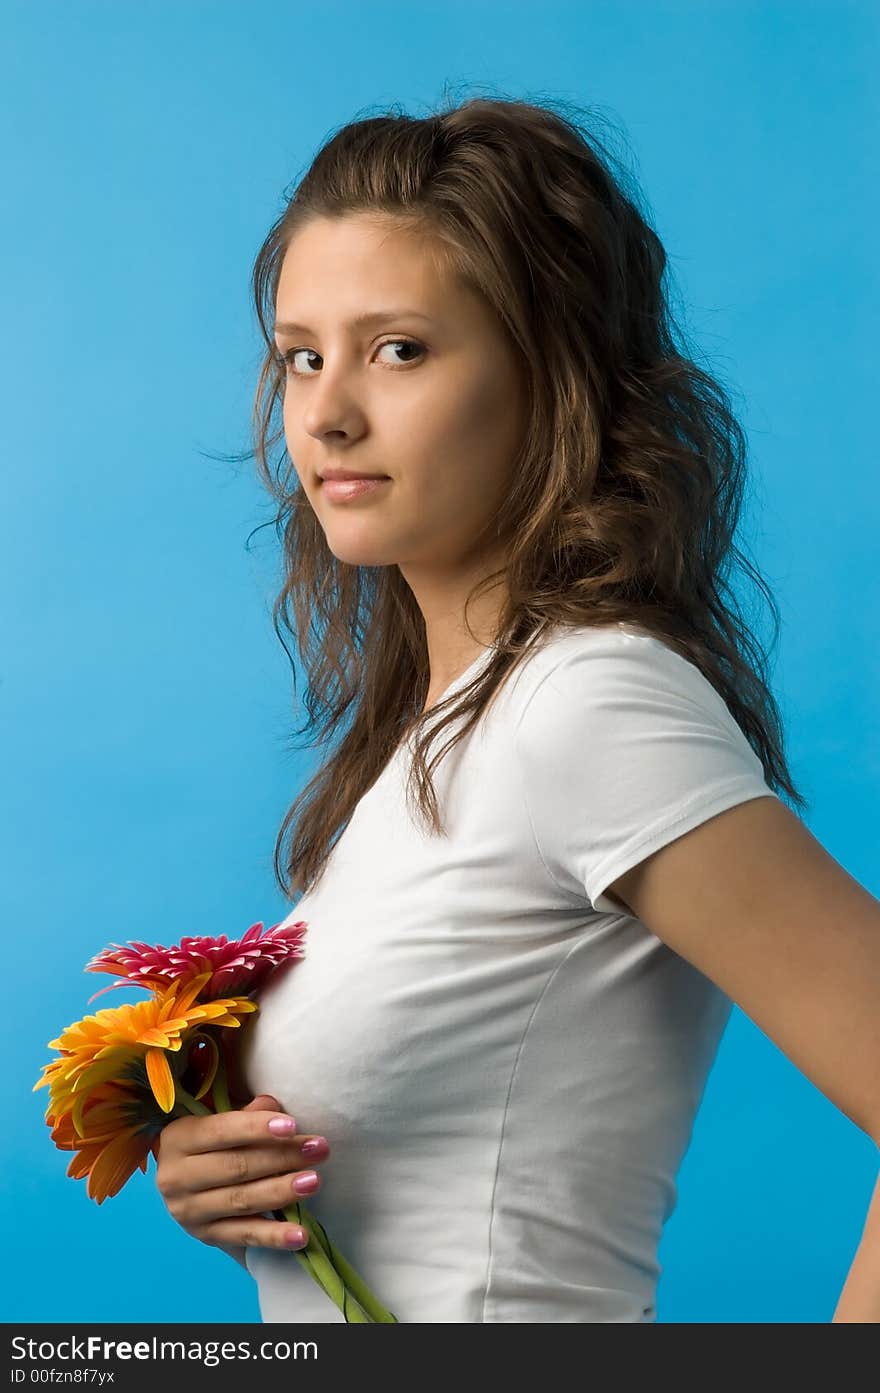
(144, 698)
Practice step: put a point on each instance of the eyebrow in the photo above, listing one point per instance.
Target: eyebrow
(359, 321)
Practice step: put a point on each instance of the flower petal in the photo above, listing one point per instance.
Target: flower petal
(116, 1163)
(123, 982)
(161, 1078)
(191, 991)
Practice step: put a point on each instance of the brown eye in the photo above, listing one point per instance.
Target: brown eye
(287, 359)
(403, 343)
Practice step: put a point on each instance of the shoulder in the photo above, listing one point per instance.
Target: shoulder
(619, 676)
(622, 745)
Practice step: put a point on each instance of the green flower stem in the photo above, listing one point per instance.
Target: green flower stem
(354, 1283)
(324, 1270)
(320, 1258)
(193, 1105)
(220, 1090)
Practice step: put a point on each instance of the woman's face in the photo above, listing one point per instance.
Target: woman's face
(432, 397)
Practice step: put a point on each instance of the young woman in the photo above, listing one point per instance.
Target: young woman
(509, 509)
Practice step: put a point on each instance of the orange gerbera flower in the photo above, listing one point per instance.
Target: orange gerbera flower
(121, 1042)
(119, 1127)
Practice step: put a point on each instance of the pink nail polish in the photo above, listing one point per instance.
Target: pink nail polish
(306, 1183)
(315, 1147)
(282, 1126)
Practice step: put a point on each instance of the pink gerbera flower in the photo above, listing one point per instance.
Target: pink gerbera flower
(237, 966)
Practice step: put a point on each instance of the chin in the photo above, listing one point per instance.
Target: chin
(353, 553)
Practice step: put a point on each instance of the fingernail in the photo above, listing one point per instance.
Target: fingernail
(295, 1238)
(307, 1182)
(282, 1126)
(315, 1147)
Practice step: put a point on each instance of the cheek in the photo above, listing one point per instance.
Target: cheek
(479, 446)
(297, 447)
(465, 423)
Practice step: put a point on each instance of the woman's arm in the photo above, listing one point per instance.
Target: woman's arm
(754, 902)
(860, 1298)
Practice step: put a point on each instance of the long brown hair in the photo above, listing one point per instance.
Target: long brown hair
(627, 489)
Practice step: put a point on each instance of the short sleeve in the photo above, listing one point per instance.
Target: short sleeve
(623, 746)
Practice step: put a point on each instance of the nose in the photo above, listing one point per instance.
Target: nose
(331, 408)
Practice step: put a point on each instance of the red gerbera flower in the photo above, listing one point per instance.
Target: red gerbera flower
(236, 966)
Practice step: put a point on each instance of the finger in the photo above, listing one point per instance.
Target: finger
(204, 1207)
(256, 1232)
(240, 1165)
(264, 1102)
(241, 1127)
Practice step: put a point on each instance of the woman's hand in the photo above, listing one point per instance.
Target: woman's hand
(219, 1174)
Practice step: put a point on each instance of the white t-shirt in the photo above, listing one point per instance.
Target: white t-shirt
(506, 1065)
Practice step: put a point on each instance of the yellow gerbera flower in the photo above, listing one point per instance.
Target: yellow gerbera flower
(121, 1042)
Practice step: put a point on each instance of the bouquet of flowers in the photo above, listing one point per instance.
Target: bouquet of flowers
(124, 1072)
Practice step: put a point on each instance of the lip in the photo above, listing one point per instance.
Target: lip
(334, 472)
(346, 490)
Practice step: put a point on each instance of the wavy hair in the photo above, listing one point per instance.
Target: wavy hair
(626, 491)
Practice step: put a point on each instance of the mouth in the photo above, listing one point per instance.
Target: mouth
(344, 490)
(344, 477)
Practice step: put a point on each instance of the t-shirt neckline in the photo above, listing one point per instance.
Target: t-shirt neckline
(462, 676)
